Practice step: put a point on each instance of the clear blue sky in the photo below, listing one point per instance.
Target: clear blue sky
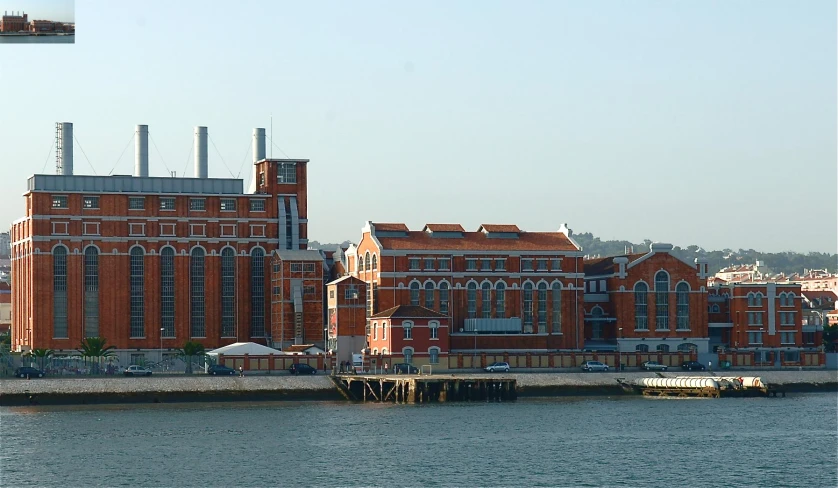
(708, 123)
(59, 10)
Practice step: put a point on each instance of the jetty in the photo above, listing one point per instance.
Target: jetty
(402, 388)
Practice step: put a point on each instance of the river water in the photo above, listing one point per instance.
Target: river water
(37, 39)
(619, 441)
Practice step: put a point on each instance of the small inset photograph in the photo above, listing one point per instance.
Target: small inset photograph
(38, 22)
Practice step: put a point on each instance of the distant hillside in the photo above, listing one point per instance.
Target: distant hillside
(782, 262)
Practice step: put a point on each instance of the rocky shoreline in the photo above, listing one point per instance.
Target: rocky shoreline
(200, 388)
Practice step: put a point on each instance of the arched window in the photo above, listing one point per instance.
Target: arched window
(662, 348)
(556, 295)
(197, 317)
(751, 300)
(59, 292)
(661, 300)
(367, 260)
(527, 307)
(471, 298)
(542, 307)
(433, 327)
(384, 331)
(414, 293)
(375, 331)
(137, 288)
(715, 308)
(758, 299)
(374, 262)
(500, 300)
(407, 328)
(375, 351)
(642, 348)
(408, 354)
(682, 299)
(433, 354)
(91, 292)
(429, 295)
(486, 300)
(686, 347)
(443, 297)
(360, 263)
(167, 291)
(257, 292)
(641, 309)
(228, 292)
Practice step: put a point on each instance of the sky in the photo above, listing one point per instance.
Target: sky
(60, 10)
(710, 123)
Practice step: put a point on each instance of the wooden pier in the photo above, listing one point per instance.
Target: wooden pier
(425, 388)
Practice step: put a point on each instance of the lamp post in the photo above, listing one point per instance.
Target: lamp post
(619, 351)
(161, 347)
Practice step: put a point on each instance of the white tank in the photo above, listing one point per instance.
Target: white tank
(746, 381)
(682, 382)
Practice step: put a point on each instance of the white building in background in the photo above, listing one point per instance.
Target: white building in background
(5, 244)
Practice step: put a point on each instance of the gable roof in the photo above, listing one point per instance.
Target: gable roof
(301, 347)
(443, 228)
(409, 312)
(478, 241)
(346, 278)
(299, 254)
(828, 295)
(499, 228)
(390, 227)
(242, 348)
(604, 266)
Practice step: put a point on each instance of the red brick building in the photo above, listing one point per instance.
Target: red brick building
(14, 23)
(149, 263)
(409, 334)
(501, 288)
(297, 279)
(646, 302)
(347, 318)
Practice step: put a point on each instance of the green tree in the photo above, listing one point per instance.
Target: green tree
(41, 356)
(830, 338)
(96, 349)
(190, 350)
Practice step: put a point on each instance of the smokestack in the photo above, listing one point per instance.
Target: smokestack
(201, 152)
(64, 148)
(258, 154)
(141, 151)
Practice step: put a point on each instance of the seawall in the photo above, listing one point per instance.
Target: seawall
(198, 388)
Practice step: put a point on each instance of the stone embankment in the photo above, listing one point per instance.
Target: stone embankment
(199, 387)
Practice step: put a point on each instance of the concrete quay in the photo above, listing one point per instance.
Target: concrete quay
(182, 388)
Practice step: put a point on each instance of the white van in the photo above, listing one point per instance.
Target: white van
(358, 363)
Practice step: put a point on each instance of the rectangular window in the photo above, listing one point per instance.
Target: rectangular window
(167, 203)
(592, 286)
(500, 265)
(228, 230)
(542, 264)
(444, 264)
(60, 228)
(433, 355)
(309, 290)
(755, 337)
(791, 356)
(136, 203)
(90, 228)
(414, 263)
(443, 298)
(261, 178)
(308, 267)
(601, 286)
(351, 292)
(429, 264)
(485, 265)
(136, 229)
(138, 358)
(90, 203)
(286, 173)
(332, 294)
(555, 264)
(257, 205)
(228, 204)
(257, 230)
(471, 265)
(408, 330)
(167, 230)
(526, 264)
(434, 327)
(808, 338)
(486, 299)
(296, 267)
(198, 230)
(471, 298)
(277, 291)
(527, 310)
(59, 201)
(787, 337)
(198, 204)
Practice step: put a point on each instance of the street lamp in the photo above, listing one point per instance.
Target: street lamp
(619, 351)
(161, 347)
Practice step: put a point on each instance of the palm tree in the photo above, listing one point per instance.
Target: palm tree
(94, 347)
(189, 350)
(42, 355)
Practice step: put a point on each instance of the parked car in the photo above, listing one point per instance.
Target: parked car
(298, 368)
(28, 371)
(654, 366)
(594, 366)
(692, 366)
(404, 368)
(220, 369)
(497, 367)
(135, 370)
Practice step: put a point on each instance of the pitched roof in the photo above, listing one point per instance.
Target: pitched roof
(829, 295)
(391, 227)
(299, 347)
(603, 266)
(409, 312)
(500, 228)
(443, 228)
(346, 278)
(299, 254)
(478, 241)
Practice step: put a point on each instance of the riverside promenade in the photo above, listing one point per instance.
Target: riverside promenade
(199, 387)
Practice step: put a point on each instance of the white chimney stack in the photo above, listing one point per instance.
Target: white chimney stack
(141, 151)
(258, 154)
(64, 148)
(201, 163)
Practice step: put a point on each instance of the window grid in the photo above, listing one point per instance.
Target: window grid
(407, 327)
(555, 264)
(198, 310)
(641, 317)
(91, 292)
(59, 290)
(556, 291)
(682, 299)
(500, 300)
(408, 356)
(486, 299)
(287, 173)
(414, 293)
(167, 291)
(443, 297)
(500, 265)
(433, 354)
(755, 337)
(90, 203)
(228, 292)
(471, 265)
(444, 264)
(642, 348)
(485, 265)
(527, 307)
(661, 301)
(787, 337)
(414, 263)
(257, 293)
(167, 203)
(542, 264)
(471, 298)
(228, 204)
(136, 203)
(59, 201)
(542, 307)
(257, 205)
(434, 329)
(429, 295)
(137, 288)
(429, 264)
(526, 264)
(198, 204)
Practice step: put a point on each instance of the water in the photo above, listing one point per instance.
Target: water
(37, 39)
(627, 441)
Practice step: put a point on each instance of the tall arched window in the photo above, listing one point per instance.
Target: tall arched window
(414, 293)
(167, 291)
(91, 292)
(137, 288)
(758, 299)
(682, 299)
(228, 292)
(374, 262)
(527, 307)
(430, 302)
(471, 298)
(367, 261)
(257, 292)
(750, 299)
(542, 307)
(500, 300)
(360, 263)
(59, 292)
(556, 292)
(661, 301)
(641, 308)
(486, 299)
(443, 297)
(196, 294)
